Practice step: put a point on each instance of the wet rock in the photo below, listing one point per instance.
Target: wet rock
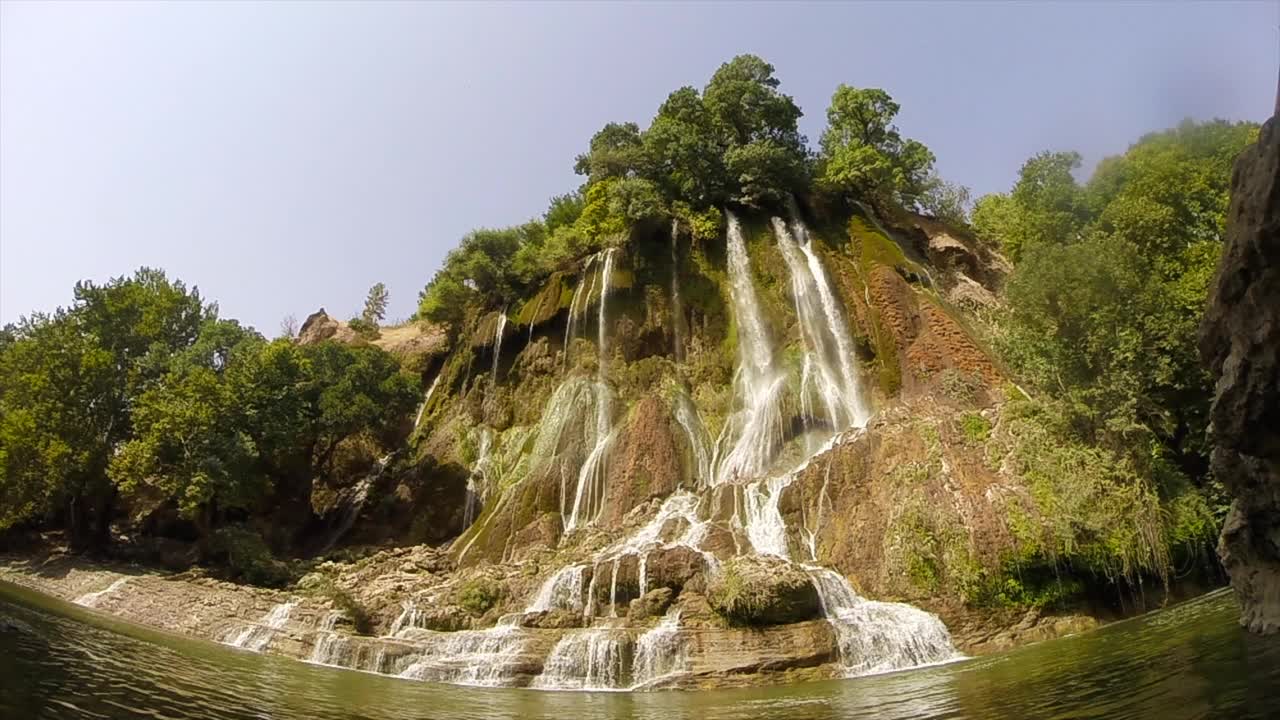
(653, 604)
(674, 567)
(1240, 344)
(556, 619)
(763, 590)
(646, 461)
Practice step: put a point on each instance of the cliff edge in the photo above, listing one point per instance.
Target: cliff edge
(1240, 344)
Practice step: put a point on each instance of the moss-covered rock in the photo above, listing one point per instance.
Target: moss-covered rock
(763, 590)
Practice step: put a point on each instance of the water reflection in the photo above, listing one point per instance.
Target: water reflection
(1191, 661)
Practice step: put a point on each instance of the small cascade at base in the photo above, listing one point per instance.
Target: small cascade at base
(561, 591)
(257, 636)
(660, 653)
(331, 648)
(92, 599)
(591, 659)
(876, 637)
(487, 658)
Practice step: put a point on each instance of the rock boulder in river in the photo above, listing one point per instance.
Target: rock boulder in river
(1240, 342)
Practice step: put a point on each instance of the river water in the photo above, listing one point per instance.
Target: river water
(1188, 661)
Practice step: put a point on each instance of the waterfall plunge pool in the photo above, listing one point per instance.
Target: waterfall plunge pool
(58, 660)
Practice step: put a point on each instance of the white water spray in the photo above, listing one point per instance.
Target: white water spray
(753, 433)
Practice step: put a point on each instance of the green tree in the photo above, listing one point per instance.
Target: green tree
(616, 151)
(375, 304)
(764, 153)
(192, 438)
(71, 383)
(945, 201)
(56, 382)
(563, 211)
(863, 153)
(1111, 280)
(686, 152)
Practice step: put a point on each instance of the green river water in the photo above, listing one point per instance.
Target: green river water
(1188, 661)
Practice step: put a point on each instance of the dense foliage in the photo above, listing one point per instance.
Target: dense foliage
(1111, 279)
(139, 388)
(734, 143)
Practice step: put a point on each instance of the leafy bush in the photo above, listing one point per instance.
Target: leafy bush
(976, 428)
(344, 602)
(248, 557)
(364, 328)
(479, 595)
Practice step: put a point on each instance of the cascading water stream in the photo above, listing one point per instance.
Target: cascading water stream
(876, 637)
(497, 345)
(660, 653)
(753, 432)
(417, 420)
(257, 636)
(478, 480)
(689, 420)
(331, 648)
(592, 480)
(354, 502)
(829, 370)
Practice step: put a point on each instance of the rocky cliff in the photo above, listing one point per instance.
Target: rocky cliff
(783, 453)
(1240, 343)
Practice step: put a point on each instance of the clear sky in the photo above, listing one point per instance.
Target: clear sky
(286, 156)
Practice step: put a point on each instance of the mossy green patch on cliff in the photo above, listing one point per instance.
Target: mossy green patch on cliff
(479, 595)
(975, 428)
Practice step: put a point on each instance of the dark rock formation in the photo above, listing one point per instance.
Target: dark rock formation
(1240, 343)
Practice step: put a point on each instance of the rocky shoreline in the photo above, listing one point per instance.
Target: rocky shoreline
(316, 629)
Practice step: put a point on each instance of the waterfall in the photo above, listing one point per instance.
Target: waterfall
(92, 599)
(592, 482)
(660, 652)
(478, 481)
(407, 618)
(829, 370)
(753, 433)
(765, 527)
(257, 636)
(561, 591)
(876, 637)
(591, 659)
(497, 345)
(331, 648)
(578, 303)
(417, 420)
(689, 420)
(677, 309)
(353, 503)
(486, 658)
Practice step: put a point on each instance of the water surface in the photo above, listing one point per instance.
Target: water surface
(1189, 661)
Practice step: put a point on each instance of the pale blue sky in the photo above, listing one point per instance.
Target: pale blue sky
(286, 156)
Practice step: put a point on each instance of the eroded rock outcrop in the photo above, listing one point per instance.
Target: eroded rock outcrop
(1240, 343)
(763, 590)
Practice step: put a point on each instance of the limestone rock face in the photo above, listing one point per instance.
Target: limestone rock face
(1240, 343)
(653, 604)
(319, 327)
(763, 590)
